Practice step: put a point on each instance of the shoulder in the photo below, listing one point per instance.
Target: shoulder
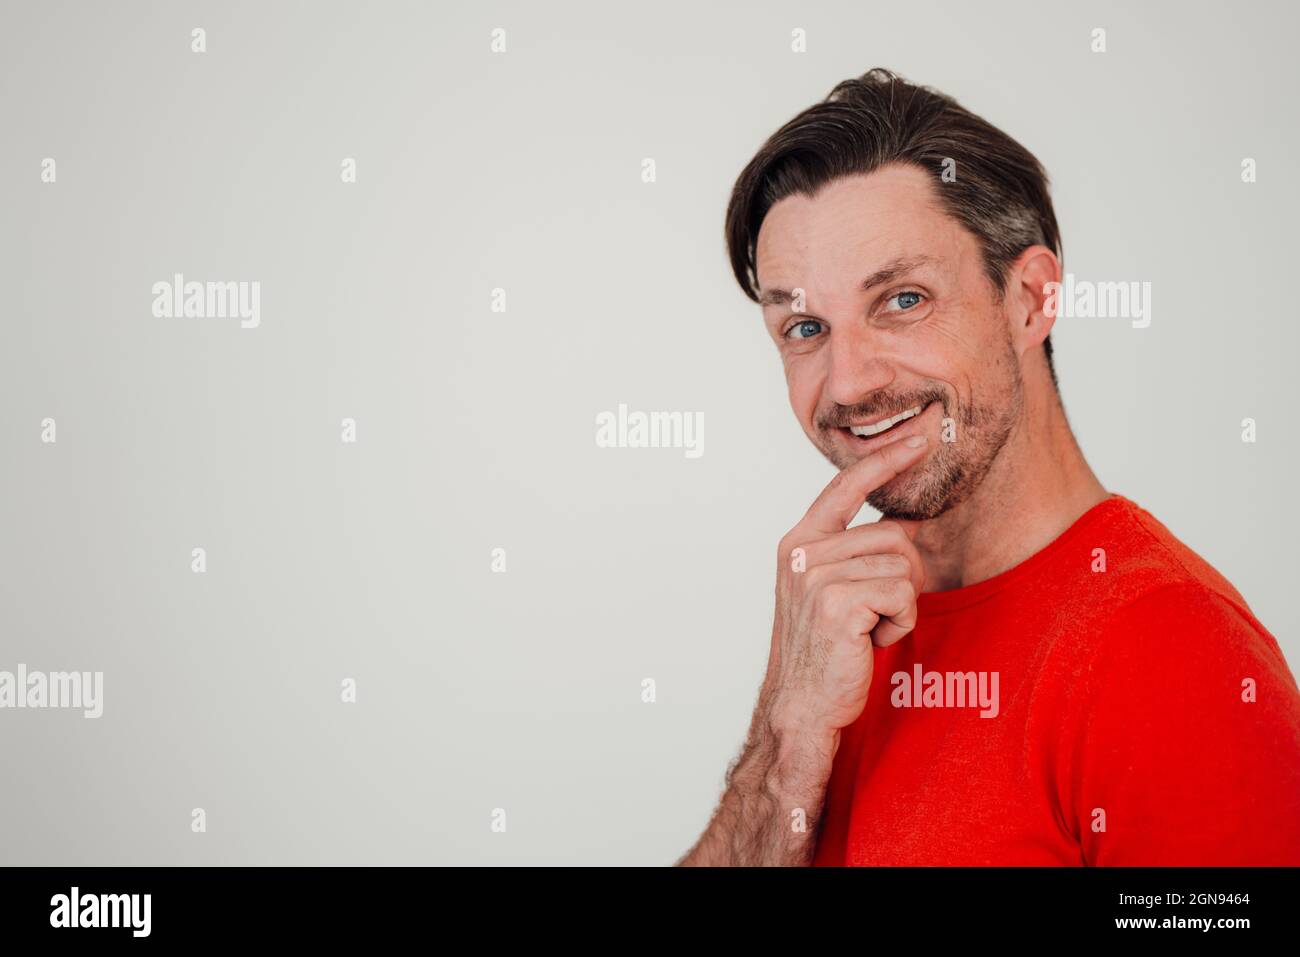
(1154, 618)
(1166, 592)
(1184, 631)
(1142, 557)
(1155, 590)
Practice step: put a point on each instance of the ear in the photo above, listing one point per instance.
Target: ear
(1032, 292)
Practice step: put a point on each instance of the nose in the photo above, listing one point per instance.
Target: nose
(857, 367)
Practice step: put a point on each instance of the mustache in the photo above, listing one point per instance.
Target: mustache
(881, 406)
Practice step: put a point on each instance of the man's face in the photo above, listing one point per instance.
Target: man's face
(897, 319)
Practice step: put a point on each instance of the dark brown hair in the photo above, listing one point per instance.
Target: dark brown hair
(1000, 191)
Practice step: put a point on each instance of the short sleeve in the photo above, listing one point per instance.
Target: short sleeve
(1184, 742)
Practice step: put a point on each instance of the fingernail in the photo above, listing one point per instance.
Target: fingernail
(915, 441)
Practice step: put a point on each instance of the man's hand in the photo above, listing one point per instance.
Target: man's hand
(838, 590)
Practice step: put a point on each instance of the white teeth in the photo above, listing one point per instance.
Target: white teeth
(869, 430)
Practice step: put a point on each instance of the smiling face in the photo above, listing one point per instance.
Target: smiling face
(888, 326)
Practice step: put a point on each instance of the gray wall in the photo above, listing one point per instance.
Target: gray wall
(522, 171)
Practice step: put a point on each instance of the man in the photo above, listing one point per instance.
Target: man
(1014, 666)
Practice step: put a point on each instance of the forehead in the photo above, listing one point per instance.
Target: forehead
(852, 226)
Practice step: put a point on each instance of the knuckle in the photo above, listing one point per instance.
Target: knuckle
(829, 601)
(890, 591)
(893, 564)
(902, 591)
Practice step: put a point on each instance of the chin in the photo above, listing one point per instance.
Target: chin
(922, 497)
(917, 508)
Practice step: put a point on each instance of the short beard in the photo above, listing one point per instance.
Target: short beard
(949, 477)
(951, 473)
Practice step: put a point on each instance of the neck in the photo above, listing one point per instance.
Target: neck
(1038, 485)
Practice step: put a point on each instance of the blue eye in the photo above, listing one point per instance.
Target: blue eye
(905, 300)
(804, 330)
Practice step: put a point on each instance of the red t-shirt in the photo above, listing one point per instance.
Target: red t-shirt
(1139, 715)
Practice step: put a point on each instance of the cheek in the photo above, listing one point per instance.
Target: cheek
(804, 384)
(968, 350)
(955, 337)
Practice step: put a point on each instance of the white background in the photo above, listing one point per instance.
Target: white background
(522, 171)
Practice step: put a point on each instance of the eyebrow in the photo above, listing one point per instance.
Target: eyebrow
(886, 273)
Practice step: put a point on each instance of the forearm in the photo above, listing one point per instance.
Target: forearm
(781, 772)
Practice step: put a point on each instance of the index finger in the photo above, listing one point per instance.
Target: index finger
(841, 500)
